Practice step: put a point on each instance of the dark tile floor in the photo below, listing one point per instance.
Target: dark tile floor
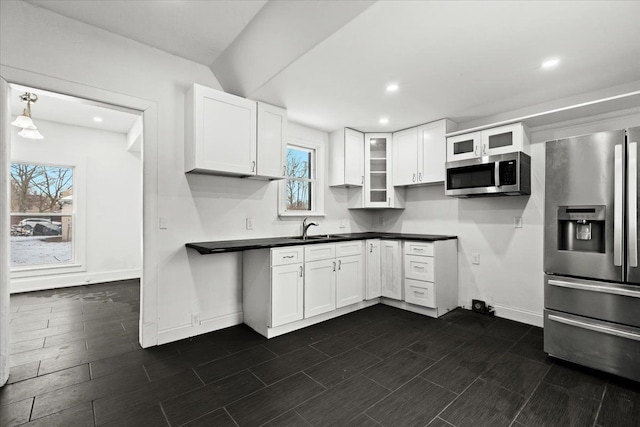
(76, 361)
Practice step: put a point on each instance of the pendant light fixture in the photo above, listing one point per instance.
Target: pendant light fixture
(29, 130)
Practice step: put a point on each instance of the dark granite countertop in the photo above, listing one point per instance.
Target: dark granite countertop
(222, 246)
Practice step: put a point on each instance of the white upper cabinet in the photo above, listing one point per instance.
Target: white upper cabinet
(488, 142)
(271, 143)
(378, 186)
(405, 160)
(419, 154)
(346, 150)
(229, 135)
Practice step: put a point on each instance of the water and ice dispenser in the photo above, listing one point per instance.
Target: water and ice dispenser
(581, 228)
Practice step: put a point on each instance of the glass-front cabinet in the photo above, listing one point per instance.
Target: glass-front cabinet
(489, 142)
(378, 190)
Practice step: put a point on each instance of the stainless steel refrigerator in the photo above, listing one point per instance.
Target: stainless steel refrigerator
(591, 261)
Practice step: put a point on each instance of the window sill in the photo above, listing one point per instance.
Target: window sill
(301, 214)
(42, 270)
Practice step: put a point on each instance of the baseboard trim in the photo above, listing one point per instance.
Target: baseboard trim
(519, 315)
(41, 283)
(205, 326)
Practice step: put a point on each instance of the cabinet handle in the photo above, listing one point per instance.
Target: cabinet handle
(370, 248)
(253, 166)
(284, 171)
(300, 271)
(418, 267)
(475, 151)
(339, 264)
(334, 266)
(288, 256)
(362, 180)
(418, 292)
(419, 176)
(418, 249)
(389, 201)
(484, 149)
(413, 179)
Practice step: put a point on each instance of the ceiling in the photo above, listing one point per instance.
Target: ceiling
(69, 110)
(328, 63)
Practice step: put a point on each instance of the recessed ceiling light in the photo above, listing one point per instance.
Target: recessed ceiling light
(392, 87)
(550, 63)
(97, 119)
(384, 121)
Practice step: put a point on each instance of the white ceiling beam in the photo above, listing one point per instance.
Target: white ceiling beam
(279, 34)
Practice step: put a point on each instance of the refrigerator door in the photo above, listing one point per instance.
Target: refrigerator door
(584, 202)
(633, 245)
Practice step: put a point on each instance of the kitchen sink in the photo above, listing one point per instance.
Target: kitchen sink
(317, 237)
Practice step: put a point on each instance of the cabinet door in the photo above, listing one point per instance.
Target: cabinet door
(353, 158)
(319, 287)
(377, 181)
(391, 269)
(503, 139)
(432, 152)
(287, 294)
(349, 280)
(271, 144)
(225, 132)
(374, 280)
(462, 147)
(405, 159)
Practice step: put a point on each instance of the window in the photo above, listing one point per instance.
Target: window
(42, 215)
(301, 192)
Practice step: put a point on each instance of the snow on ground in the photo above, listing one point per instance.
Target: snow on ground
(37, 250)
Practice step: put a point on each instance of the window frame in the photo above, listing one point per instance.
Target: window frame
(78, 215)
(317, 180)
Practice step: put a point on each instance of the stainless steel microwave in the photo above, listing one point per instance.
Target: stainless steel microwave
(501, 175)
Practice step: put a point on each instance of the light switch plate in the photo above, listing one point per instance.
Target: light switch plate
(476, 258)
(249, 223)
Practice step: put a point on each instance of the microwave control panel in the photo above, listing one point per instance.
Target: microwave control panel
(508, 171)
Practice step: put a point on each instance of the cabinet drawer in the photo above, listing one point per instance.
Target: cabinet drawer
(418, 248)
(289, 255)
(418, 267)
(419, 293)
(349, 248)
(318, 252)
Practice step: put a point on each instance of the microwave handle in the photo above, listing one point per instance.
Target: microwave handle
(497, 174)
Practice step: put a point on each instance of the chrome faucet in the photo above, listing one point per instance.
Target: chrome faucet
(305, 227)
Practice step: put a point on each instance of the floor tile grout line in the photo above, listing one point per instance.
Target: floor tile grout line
(438, 415)
(166, 418)
(528, 399)
(224, 408)
(604, 393)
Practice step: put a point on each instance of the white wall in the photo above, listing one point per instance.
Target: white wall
(197, 208)
(112, 205)
(510, 273)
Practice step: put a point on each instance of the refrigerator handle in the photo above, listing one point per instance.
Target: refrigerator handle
(632, 200)
(617, 207)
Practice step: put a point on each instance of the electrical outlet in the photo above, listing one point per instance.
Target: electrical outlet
(343, 223)
(163, 223)
(195, 319)
(517, 222)
(476, 258)
(249, 223)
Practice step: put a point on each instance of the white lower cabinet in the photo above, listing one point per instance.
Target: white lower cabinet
(292, 287)
(391, 269)
(333, 282)
(431, 275)
(319, 287)
(287, 294)
(374, 271)
(349, 280)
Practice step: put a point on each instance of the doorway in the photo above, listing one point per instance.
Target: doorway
(148, 111)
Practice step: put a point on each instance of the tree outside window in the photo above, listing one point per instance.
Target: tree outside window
(41, 214)
(300, 181)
